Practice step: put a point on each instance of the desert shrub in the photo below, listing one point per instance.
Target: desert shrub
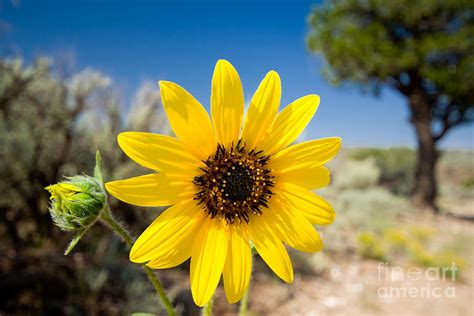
(373, 208)
(456, 172)
(415, 245)
(51, 125)
(396, 238)
(458, 165)
(357, 175)
(370, 246)
(396, 165)
(358, 200)
(468, 184)
(360, 203)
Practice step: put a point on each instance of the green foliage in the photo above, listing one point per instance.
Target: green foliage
(360, 174)
(423, 49)
(396, 165)
(373, 208)
(367, 41)
(371, 246)
(456, 170)
(469, 184)
(413, 244)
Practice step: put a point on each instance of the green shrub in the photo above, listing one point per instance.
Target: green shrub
(419, 254)
(415, 245)
(397, 167)
(373, 209)
(397, 239)
(370, 246)
(469, 184)
(359, 175)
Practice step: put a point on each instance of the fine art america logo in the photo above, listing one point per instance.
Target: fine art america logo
(414, 282)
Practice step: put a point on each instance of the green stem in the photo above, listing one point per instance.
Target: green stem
(244, 303)
(108, 219)
(207, 310)
(159, 289)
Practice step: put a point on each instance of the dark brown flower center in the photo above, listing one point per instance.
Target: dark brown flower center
(234, 183)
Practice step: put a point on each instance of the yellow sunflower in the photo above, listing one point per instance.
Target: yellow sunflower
(229, 185)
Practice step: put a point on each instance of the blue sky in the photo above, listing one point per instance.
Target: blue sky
(180, 41)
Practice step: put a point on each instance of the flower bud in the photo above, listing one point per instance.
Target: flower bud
(76, 203)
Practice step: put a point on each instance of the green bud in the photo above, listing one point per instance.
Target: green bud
(76, 203)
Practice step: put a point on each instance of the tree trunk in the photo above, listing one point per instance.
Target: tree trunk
(424, 193)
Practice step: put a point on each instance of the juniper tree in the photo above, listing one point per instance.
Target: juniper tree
(422, 49)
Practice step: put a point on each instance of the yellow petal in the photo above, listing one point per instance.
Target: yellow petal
(173, 257)
(238, 265)
(270, 247)
(158, 152)
(227, 103)
(169, 239)
(312, 177)
(289, 124)
(307, 154)
(158, 189)
(208, 258)
(188, 119)
(262, 110)
(301, 200)
(293, 228)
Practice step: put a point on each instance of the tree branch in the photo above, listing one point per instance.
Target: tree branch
(448, 124)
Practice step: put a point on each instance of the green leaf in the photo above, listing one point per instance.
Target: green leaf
(98, 168)
(74, 241)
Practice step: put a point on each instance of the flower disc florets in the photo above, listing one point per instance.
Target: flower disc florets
(234, 183)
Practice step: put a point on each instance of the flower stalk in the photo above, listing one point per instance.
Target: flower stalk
(108, 219)
(244, 303)
(207, 309)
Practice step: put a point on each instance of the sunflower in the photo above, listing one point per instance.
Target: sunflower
(229, 186)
